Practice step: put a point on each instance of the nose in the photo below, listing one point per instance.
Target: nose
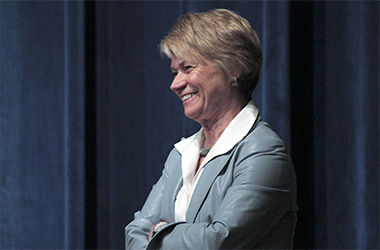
(179, 82)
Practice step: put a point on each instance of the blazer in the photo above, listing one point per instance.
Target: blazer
(244, 199)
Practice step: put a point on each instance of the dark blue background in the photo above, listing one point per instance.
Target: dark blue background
(87, 118)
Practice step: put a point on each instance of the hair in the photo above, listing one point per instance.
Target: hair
(220, 36)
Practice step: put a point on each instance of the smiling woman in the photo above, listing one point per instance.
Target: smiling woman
(232, 184)
(207, 96)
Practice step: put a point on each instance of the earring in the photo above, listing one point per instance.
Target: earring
(234, 82)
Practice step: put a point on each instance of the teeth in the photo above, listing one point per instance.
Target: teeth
(185, 97)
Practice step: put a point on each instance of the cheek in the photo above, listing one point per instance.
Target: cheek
(214, 97)
(219, 86)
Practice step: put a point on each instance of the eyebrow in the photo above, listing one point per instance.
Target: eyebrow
(180, 64)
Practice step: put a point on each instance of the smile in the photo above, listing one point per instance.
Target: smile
(185, 97)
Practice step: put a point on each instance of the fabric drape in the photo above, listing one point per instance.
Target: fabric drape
(87, 118)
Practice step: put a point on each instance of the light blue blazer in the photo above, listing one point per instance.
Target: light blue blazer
(244, 199)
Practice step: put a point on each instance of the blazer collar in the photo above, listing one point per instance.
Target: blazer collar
(238, 128)
(234, 132)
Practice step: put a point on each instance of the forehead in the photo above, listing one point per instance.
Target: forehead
(176, 61)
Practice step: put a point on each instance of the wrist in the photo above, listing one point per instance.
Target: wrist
(158, 227)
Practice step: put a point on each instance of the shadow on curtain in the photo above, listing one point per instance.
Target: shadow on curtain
(87, 117)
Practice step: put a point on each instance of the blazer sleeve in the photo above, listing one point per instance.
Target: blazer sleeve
(257, 200)
(136, 232)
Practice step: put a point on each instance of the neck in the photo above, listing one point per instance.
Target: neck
(213, 128)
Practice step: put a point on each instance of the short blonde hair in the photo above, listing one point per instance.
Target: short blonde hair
(222, 37)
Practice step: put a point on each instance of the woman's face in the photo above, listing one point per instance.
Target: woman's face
(203, 88)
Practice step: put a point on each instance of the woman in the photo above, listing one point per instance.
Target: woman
(231, 185)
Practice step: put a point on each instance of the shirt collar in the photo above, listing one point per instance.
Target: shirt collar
(236, 130)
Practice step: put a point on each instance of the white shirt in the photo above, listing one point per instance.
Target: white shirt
(189, 149)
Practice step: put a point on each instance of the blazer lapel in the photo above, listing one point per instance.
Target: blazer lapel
(210, 172)
(174, 196)
(171, 190)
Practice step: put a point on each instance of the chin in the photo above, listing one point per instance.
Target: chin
(191, 114)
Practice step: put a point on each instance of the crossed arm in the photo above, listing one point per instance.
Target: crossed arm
(255, 202)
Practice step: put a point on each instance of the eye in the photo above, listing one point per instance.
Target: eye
(188, 68)
(174, 73)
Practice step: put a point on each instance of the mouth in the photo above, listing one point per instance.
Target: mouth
(188, 96)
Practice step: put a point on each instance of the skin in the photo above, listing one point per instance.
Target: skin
(213, 102)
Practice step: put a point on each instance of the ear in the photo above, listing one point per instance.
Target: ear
(234, 78)
(236, 74)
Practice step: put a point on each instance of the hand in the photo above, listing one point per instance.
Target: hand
(150, 235)
(152, 229)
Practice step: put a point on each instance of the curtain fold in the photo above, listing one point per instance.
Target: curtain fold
(273, 92)
(352, 124)
(42, 133)
(74, 123)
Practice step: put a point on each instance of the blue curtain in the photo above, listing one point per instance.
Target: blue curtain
(87, 118)
(42, 125)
